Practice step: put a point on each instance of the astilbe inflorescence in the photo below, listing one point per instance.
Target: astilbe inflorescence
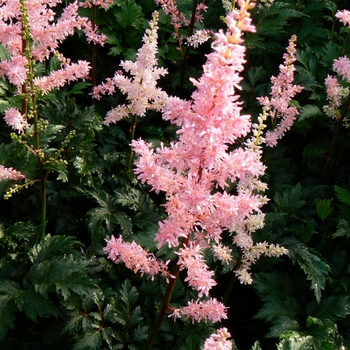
(179, 19)
(336, 92)
(141, 90)
(31, 32)
(196, 171)
(282, 92)
(218, 341)
(10, 174)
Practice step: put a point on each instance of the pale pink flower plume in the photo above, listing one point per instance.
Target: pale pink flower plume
(15, 119)
(282, 92)
(252, 254)
(65, 75)
(199, 277)
(141, 90)
(190, 169)
(135, 257)
(195, 170)
(341, 66)
(335, 94)
(199, 37)
(344, 17)
(10, 174)
(218, 341)
(333, 91)
(46, 32)
(209, 310)
(15, 70)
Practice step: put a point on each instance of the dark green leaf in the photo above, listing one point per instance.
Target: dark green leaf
(324, 208)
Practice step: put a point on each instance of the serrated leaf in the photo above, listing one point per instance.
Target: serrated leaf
(273, 285)
(256, 346)
(342, 194)
(308, 111)
(49, 134)
(283, 325)
(255, 74)
(343, 229)
(312, 152)
(128, 294)
(314, 267)
(128, 14)
(66, 275)
(324, 208)
(329, 53)
(78, 88)
(7, 314)
(110, 218)
(53, 246)
(136, 316)
(36, 305)
(141, 333)
(77, 282)
(74, 322)
(132, 198)
(295, 342)
(276, 308)
(91, 340)
(290, 200)
(331, 308)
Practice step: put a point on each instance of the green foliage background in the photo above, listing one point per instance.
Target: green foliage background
(62, 293)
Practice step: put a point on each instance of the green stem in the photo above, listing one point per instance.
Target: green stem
(27, 52)
(132, 135)
(166, 302)
(43, 173)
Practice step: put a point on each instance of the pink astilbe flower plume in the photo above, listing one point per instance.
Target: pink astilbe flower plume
(209, 310)
(282, 92)
(218, 341)
(47, 31)
(135, 257)
(10, 174)
(15, 119)
(336, 91)
(341, 66)
(196, 170)
(344, 17)
(141, 90)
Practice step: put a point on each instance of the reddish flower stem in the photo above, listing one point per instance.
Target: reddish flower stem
(166, 302)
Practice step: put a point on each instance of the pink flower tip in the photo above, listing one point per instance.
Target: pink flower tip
(15, 119)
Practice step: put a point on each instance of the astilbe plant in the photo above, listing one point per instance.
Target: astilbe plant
(217, 148)
(282, 92)
(31, 33)
(338, 92)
